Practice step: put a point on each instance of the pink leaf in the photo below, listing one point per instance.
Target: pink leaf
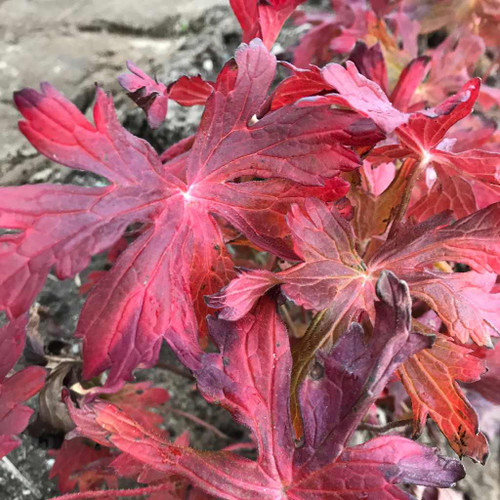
(77, 462)
(156, 286)
(363, 95)
(250, 376)
(148, 94)
(16, 389)
(332, 274)
(408, 82)
(190, 90)
(263, 19)
(370, 63)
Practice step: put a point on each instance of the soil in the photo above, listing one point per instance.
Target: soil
(75, 45)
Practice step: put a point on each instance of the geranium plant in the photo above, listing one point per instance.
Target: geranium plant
(371, 193)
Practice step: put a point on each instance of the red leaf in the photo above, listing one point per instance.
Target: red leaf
(190, 90)
(466, 180)
(11, 344)
(408, 82)
(370, 63)
(332, 275)
(139, 298)
(472, 240)
(152, 96)
(138, 399)
(78, 463)
(263, 19)
(16, 389)
(332, 34)
(302, 83)
(62, 226)
(155, 287)
(363, 95)
(462, 300)
(127, 466)
(365, 88)
(314, 46)
(450, 192)
(250, 376)
(148, 94)
(425, 131)
(220, 473)
(430, 378)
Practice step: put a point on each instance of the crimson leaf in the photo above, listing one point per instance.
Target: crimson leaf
(464, 181)
(152, 96)
(17, 388)
(155, 289)
(250, 376)
(263, 20)
(333, 275)
(430, 378)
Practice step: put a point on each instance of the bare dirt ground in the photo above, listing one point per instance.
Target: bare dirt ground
(74, 45)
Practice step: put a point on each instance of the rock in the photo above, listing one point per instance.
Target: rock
(89, 42)
(158, 17)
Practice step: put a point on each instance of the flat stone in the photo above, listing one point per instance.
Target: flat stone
(86, 43)
(127, 15)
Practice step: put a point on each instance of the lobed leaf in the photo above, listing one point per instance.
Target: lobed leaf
(363, 95)
(250, 376)
(78, 463)
(17, 388)
(147, 93)
(152, 96)
(156, 286)
(263, 19)
(430, 378)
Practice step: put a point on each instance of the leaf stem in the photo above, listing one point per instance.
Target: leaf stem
(198, 421)
(174, 369)
(413, 173)
(380, 429)
(289, 321)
